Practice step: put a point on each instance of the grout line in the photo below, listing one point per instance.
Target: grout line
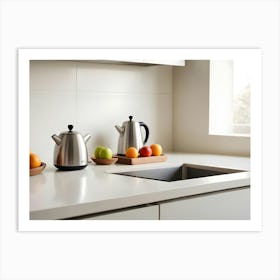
(76, 96)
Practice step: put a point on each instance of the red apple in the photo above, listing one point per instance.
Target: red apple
(145, 151)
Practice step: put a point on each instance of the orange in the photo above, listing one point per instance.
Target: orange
(156, 149)
(131, 152)
(34, 161)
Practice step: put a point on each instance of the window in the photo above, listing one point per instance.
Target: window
(229, 97)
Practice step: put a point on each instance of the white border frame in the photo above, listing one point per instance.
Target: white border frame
(25, 224)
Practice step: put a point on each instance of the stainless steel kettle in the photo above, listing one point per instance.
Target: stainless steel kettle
(131, 136)
(70, 152)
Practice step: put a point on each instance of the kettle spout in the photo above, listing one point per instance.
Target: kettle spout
(86, 137)
(56, 139)
(120, 129)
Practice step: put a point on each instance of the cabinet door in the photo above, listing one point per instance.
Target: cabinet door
(224, 205)
(141, 213)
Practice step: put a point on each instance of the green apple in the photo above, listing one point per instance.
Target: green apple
(105, 153)
(97, 151)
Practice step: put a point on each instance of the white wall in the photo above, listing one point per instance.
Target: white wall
(191, 114)
(94, 97)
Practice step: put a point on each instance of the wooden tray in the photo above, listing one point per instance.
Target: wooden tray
(141, 160)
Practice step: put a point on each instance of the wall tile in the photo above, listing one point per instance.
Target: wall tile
(106, 95)
(110, 78)
(49, 115)
(99, 117)
(52, 75)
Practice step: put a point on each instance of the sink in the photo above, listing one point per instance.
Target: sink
(177, 173)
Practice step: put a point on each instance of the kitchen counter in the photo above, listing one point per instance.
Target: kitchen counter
(66, 194)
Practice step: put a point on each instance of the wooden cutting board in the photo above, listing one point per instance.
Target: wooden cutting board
(141, 160)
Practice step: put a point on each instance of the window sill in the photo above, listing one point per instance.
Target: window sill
(231, 135)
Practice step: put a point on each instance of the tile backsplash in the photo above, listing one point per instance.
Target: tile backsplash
(94, 98)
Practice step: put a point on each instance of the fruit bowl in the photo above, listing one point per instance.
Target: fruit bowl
(104, 161)
(37, 170)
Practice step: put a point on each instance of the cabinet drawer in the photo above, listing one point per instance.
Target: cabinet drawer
(225, 205)
(141, 213)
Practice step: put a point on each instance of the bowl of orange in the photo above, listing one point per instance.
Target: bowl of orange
(36, 165)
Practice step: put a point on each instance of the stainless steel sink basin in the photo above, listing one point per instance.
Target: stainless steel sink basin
(182, 172)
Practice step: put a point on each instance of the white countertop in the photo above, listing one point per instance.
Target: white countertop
(63, 194)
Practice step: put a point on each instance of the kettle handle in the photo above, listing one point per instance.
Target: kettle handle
(147, 132)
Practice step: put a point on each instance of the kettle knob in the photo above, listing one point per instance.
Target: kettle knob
(70, 127)
(130, 118)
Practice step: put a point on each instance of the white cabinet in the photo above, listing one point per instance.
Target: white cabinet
(231, 204)
(140, 213)
(144, 62)
(224, 205)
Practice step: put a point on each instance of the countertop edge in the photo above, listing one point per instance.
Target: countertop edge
(96, 207)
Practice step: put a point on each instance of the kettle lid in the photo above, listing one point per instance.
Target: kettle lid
(130, 120)
(70, 131)
(129, 123)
